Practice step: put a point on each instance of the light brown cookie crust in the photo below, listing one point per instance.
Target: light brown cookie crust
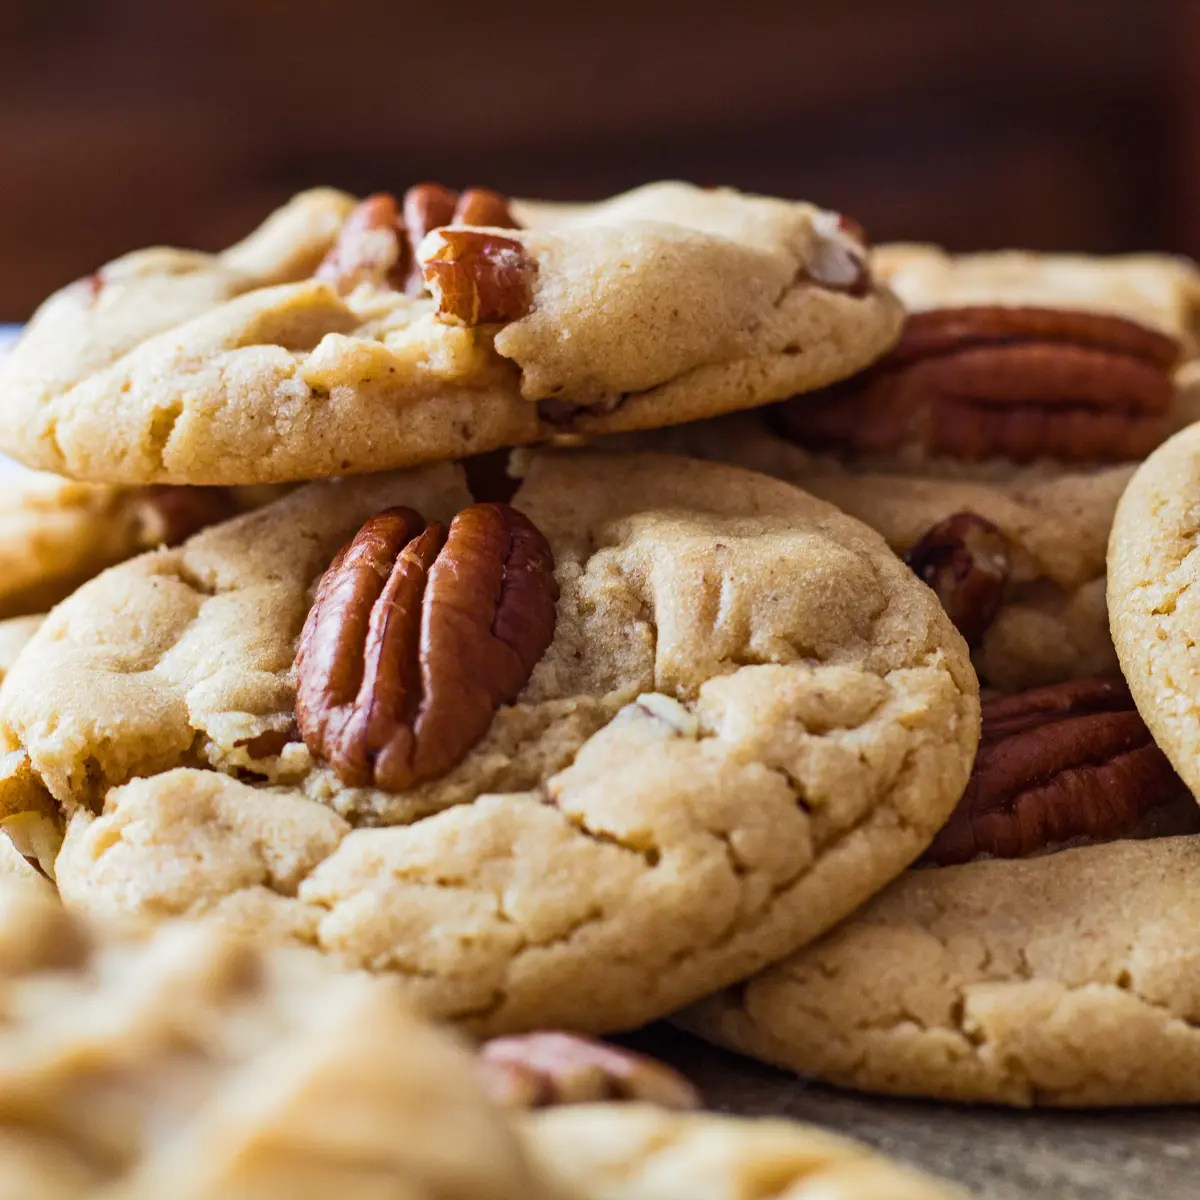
(638, 1152)
(1071, 980)
(750, 717)
(672, 303)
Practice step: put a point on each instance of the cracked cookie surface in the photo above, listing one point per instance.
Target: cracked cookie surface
(750, 717)
(1070, 979)
(1153, 567)
(639, 1152)
(189, 1064)
(666, 304)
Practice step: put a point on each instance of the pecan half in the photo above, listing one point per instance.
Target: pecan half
(838, 260)
(417, 635)
(538, 1070)
(378, 242)
(1018, 383)
(479, 278)
(965, 559)
(1065, 764)
(167, 515)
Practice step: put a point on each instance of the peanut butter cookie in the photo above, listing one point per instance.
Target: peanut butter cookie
(1043, 954)
(639, 1152)
(991, 445)
(189, 1065)
(572, 762)
(1152, 599)
(342, 338)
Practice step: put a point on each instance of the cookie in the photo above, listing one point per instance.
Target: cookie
(640, 1152)
(56, 534)
(188, 1064)
(14, 633)
(741, 716)
(342, 338)
(1152, 606)
(1052, 963)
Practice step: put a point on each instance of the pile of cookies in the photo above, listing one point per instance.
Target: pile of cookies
(558, 618)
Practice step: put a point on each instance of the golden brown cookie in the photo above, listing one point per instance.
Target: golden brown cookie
(342, 338)
(741, 716)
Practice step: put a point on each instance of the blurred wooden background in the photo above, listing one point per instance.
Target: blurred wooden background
(1048, 123)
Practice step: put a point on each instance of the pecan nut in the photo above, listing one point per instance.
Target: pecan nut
(539, 1070)
(479, 278)
(1018, 383)
(379, 240)
(838, 260)
(1070, 763)
(965, 560)
(417, 635)
(166, 515)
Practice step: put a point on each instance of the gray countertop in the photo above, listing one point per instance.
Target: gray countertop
(998, 1154)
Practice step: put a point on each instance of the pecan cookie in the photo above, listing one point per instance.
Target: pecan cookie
(639, 1152)
(567, 763)
(189, 1065)
(1043, 955)
(1152, 597)
(342, 338)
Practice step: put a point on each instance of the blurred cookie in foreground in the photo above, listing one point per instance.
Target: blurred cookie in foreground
(186, 1064)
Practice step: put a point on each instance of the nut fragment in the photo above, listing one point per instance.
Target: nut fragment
(167, 515)
(1018, 383)
(965, 560)
(378, 242)
(417, 636)
(838, 260)
(1063, 764)
(538, 1070)
(479, 278)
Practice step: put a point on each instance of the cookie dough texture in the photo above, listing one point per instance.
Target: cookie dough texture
(1154, 600)
(1053, 623)
(751, 716)
(670, 303)
(638, 1152)
(1156, 290)
(1071, 979)
(189, 1065)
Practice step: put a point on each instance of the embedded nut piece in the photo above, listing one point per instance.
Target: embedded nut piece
(1018, 383)
(479, 278)
(1068, 763)
(965, 560)
(541, 1070)
(168, 515)
(417, 636)
(377, 244)
(838, 262)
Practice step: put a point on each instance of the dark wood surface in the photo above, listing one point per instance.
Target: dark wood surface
(997, 1154)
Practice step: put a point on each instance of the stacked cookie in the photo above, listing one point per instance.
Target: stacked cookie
(584, 735)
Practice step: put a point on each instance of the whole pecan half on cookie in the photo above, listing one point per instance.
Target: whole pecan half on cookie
(965, 559)
(540, 1070)
(417, 635)
(1068, 763)
(990, 382)
(379, 240)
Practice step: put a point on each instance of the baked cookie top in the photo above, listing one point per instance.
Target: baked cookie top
(1152, 597)
(741, 716)
(189, 1064)
(341, 339)
(640, 1152)
(1017, 358)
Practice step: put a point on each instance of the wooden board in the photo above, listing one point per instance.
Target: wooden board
(998, 1154)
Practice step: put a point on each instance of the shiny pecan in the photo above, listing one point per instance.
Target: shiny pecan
(479, 278)
(417, 635)
(1018, 383)
(965, 559)
(538, 1070)
(1064, 764)
(379, 240)
(167, 515)
(837, 261)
